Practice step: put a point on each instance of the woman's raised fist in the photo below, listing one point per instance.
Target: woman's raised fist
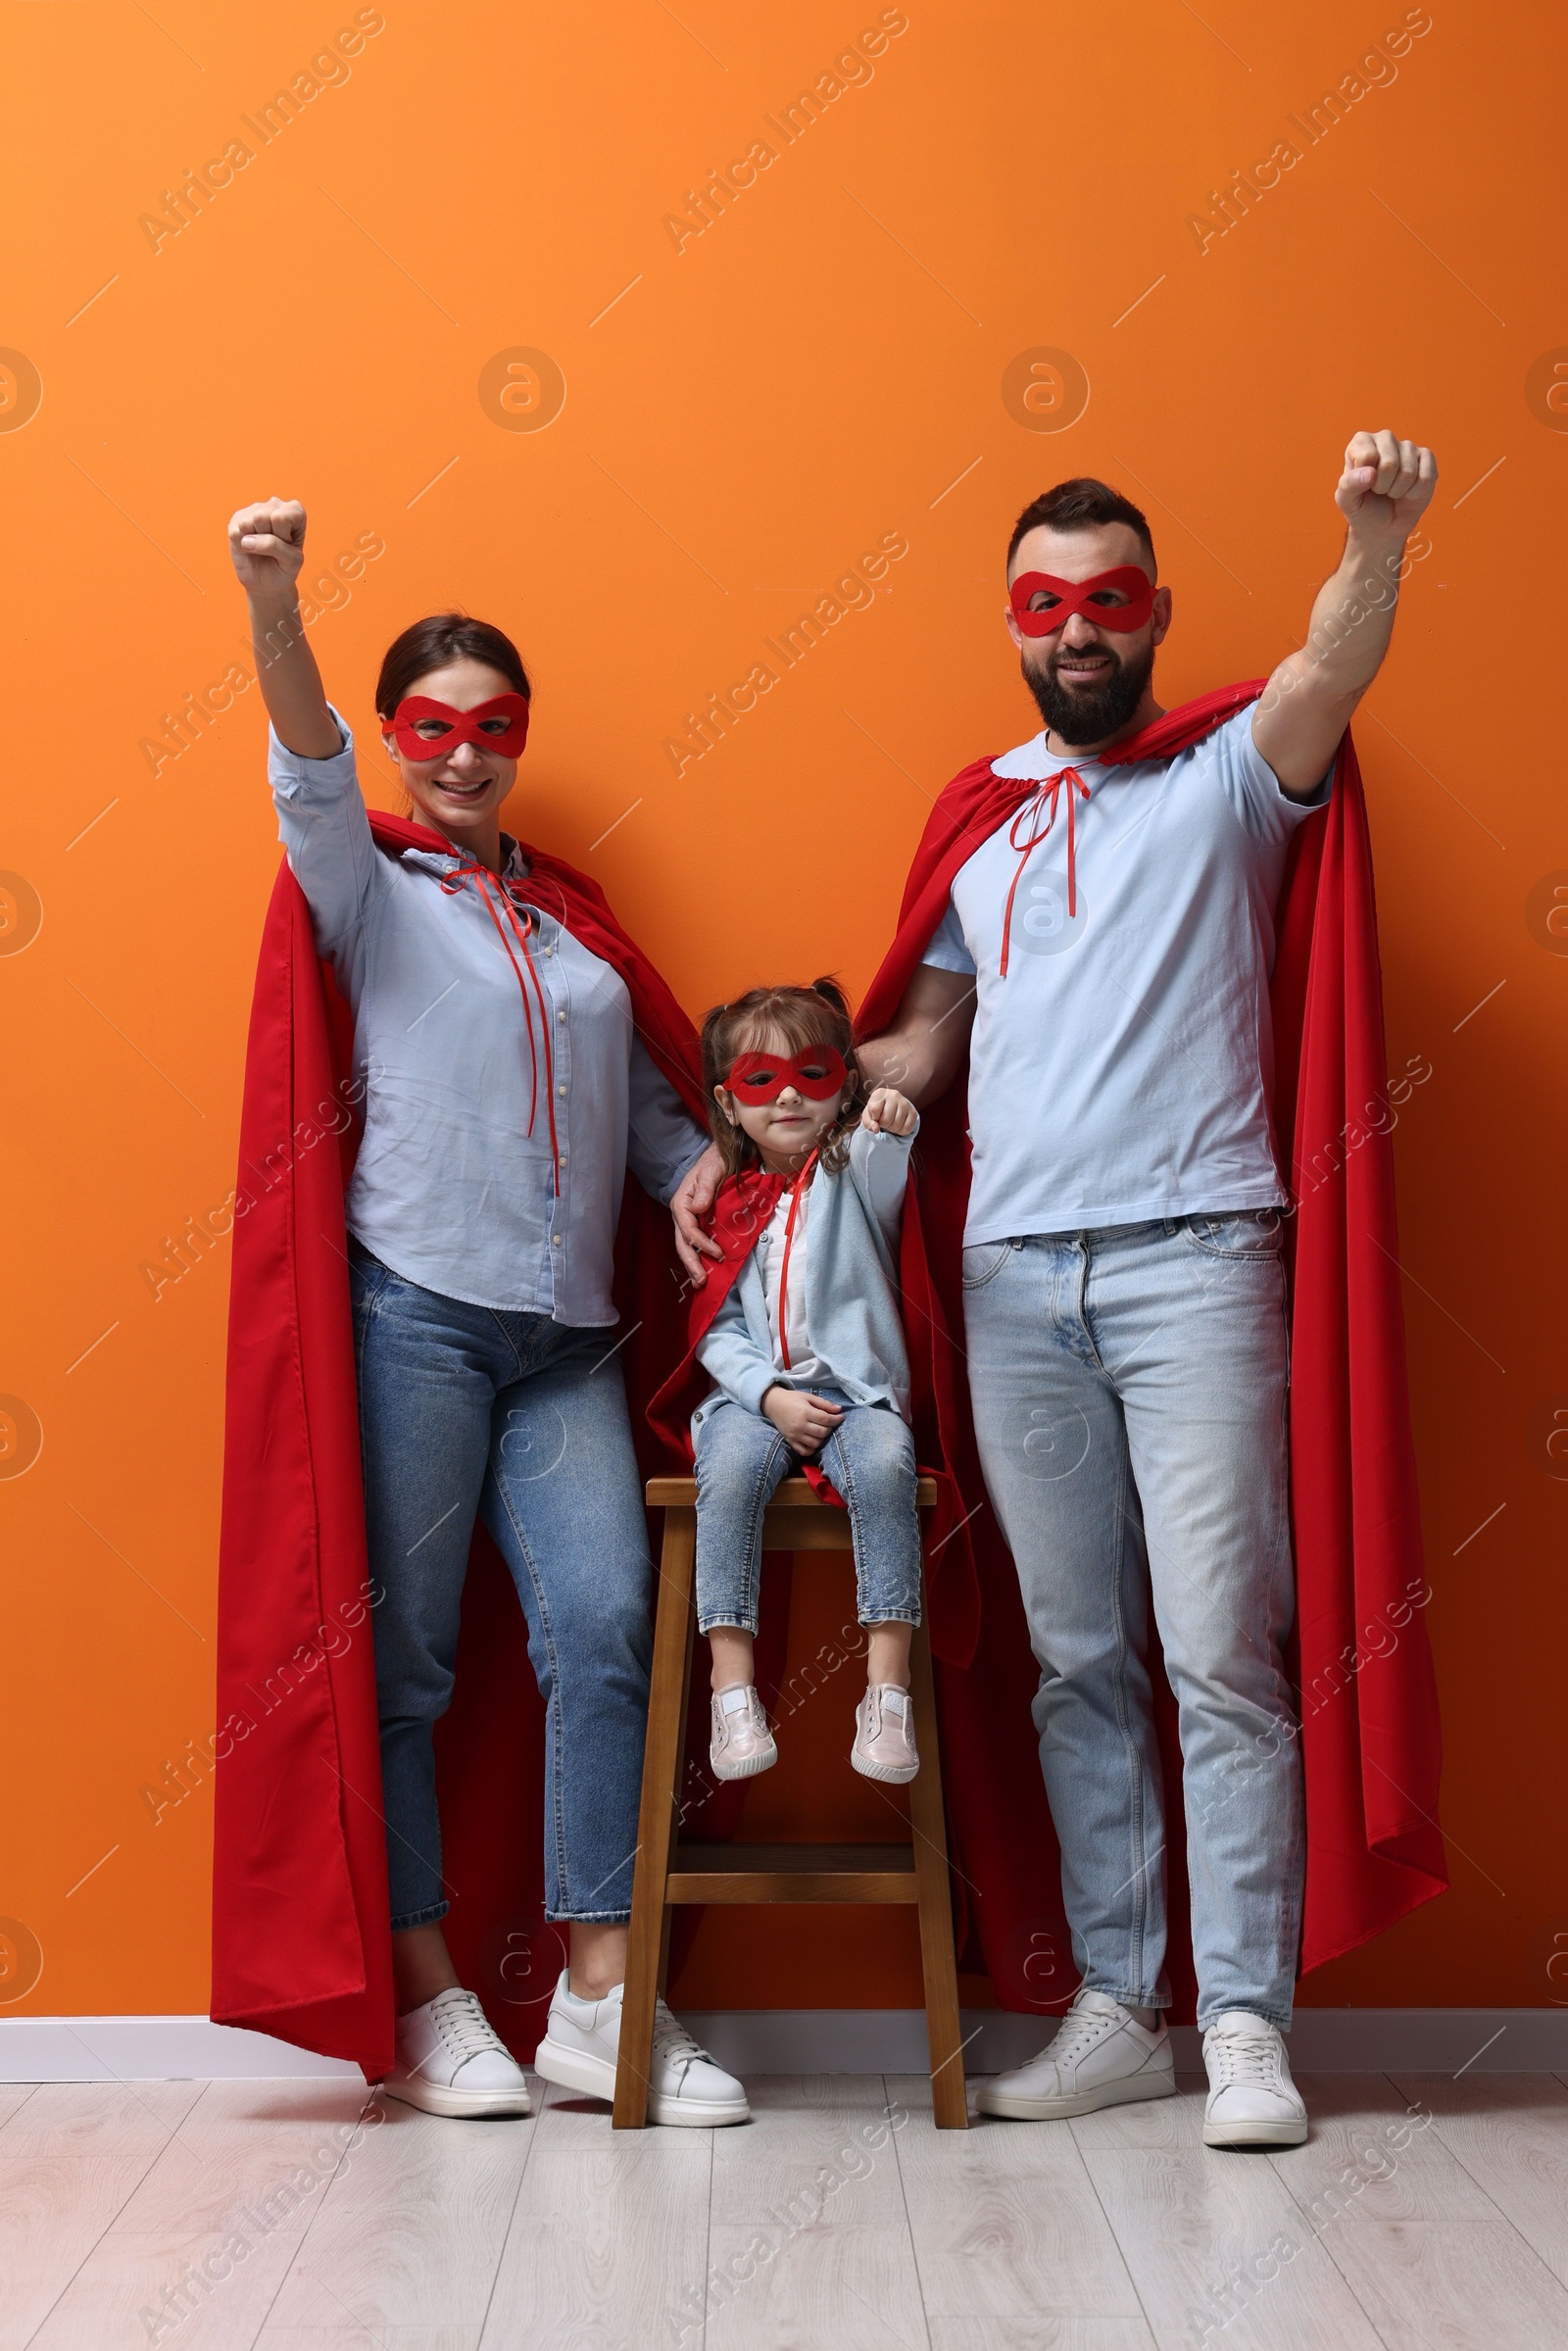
(267, 543)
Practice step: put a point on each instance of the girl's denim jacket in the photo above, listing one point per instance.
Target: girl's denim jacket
(851, 1293)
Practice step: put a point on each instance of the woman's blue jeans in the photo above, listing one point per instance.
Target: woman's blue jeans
(471, 1410)
(741, 1457)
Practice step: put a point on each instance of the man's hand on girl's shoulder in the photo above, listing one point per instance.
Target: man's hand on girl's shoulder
(890, 1113)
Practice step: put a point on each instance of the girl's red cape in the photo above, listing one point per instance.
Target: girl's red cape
(1370, 1741)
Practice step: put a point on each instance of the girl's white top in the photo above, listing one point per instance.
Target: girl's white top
(803, 1363)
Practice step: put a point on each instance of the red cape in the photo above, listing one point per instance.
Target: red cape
(301, 1942)
(1370, 1742)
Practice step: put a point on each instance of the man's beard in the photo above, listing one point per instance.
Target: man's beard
(1089, 715)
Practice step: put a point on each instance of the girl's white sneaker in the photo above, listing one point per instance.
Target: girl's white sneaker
(742, 1744)
(1253, 2102)
(450, 2061)
(884, 1735)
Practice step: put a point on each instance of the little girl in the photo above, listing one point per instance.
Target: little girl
(806, 1352)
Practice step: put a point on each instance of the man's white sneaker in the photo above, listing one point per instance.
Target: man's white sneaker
(582, 2040)
(1253, 2102)
(450, 2061)
(1101, 2056)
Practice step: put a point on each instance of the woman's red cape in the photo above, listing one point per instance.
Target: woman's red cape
(1370, 1741)
(301, 1946)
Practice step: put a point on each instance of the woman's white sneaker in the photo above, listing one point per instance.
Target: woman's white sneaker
(582, 2041)
(1253, 2102)
(1101, 2056)
(450, 2061)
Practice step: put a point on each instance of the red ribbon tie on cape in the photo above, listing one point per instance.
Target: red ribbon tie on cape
(470, 871)
(1078, 596)
(795, 1188)
(1076, 787)
(815, 1476)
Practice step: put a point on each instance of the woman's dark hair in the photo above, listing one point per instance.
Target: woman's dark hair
(788, 1019)
(441, 638)
(1081, 503)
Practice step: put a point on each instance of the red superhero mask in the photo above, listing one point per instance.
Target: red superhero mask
(818, 1072)
(501, 726)
(1082, 596)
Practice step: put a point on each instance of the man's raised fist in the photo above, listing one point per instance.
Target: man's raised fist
(1386, 487)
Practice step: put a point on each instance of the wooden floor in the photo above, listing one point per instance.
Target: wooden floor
(1425, 2212)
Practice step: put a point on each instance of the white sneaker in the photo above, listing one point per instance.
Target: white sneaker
(1253, 2102)
(1101, 2056)
(450, 2061)
(884, 1736)
(741, 1743)
(582, 2040)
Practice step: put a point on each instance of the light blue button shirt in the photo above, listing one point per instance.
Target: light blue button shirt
(450, 1189)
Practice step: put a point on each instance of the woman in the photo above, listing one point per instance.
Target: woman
(506, 1092)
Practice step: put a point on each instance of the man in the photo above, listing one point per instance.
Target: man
(1103, 963)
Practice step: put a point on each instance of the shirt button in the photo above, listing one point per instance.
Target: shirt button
(560, 1013)
(555, 1240)
(561, 1088)
(563, 1157)
(550, 951)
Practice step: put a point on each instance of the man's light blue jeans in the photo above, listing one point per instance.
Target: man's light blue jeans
(1130, 1399)
(467, 1410)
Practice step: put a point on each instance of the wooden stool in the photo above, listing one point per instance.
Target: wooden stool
(667, 1872)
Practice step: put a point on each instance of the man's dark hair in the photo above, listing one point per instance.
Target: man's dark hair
(1080, 505)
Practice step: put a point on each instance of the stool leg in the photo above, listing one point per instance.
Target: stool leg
(655, 1821)
(949, 2102)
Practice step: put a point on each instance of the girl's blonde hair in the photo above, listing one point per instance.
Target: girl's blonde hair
(793, 1018)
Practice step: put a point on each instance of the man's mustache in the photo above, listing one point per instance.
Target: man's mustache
(1077, 653)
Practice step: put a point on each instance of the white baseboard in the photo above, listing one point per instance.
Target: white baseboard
(148, 2048)
(809, 2040)
(1324, 2041)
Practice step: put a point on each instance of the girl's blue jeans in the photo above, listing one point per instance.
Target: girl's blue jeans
(741, 1457)
(471, 1410)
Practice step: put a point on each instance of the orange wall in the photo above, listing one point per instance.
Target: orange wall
(744, 417)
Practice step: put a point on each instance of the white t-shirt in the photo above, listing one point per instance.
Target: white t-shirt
(803, 1363)
(1123, 1068)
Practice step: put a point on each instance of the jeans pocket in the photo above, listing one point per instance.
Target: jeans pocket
(982, 1262)
(1243, 1233)
(367, 1278)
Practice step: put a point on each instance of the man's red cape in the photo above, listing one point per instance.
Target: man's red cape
(1370, 1742)
(301, 1945)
